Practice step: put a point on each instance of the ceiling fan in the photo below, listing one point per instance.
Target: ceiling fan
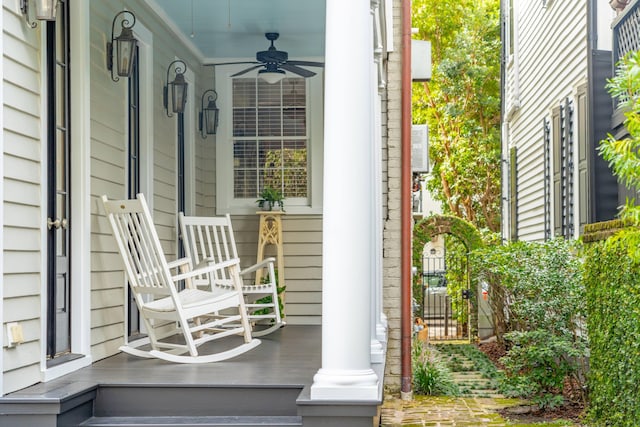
(274, 63)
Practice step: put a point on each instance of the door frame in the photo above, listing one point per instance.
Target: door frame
(80, 187)
(146, 106)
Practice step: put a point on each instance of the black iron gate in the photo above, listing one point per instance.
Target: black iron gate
(445, 312)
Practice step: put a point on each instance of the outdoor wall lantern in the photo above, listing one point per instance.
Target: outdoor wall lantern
(125, 46)
(45, 11)
(208, 121)
(178, 89)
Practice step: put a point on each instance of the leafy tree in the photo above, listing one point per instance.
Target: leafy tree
(461, 104)
(622, 155)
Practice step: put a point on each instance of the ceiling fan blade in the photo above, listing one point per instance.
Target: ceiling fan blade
(213, 64)
(246, 71)
(297, 70)
(306, 63)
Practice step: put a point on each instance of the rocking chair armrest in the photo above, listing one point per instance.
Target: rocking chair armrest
(206, 269)
(204, 262)
(179, 262)
(258, 266)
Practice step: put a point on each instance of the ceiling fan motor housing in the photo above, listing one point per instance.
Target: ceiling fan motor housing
(276, 56)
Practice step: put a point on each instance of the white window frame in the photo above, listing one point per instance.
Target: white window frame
(225, 201)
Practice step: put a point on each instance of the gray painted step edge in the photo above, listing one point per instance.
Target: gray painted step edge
(194, 421)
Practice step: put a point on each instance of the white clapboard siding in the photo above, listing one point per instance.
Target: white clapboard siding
(302, 245)
(22, 187)
(552, 61)
(108, 163)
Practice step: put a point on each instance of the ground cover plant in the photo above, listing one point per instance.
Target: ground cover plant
(479, 362)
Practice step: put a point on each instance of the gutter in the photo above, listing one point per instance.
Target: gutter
(405, 203)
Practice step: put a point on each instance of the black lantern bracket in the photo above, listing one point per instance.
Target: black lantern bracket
(178, 84)
(125, 34)
(24, 8)
(208, 119)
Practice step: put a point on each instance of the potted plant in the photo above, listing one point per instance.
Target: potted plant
(270, 198)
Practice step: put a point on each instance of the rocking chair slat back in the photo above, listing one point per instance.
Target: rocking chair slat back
(212, 241)
(146, 268)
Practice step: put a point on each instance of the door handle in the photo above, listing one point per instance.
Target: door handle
(58, 223)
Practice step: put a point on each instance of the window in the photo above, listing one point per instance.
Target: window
(270, 135)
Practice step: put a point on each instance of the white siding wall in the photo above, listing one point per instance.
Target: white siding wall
(22, 190)
(302, 237)
(108, 162)
(552, 62)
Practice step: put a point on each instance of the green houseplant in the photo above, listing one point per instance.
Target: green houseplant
(270, 198)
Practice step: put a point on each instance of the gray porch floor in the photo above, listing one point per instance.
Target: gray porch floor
(287, 357)
(269, 385)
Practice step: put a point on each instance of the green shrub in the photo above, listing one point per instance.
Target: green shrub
(537, 365)
(612, 280)
(542, 301)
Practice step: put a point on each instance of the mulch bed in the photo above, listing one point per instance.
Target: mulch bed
(569, 411)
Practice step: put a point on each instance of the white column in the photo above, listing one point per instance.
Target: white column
(346, 372)
(380, 326)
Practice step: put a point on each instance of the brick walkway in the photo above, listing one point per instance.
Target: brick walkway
(444, 411)
(478, 406)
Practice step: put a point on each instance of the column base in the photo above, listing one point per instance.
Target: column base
(381, 332)
(349, 385)
(377, 351)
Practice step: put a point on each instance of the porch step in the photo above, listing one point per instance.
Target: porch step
(167, 405)
(243, 421)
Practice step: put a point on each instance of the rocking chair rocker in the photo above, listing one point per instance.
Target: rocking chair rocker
(211, 240)
(177, 321)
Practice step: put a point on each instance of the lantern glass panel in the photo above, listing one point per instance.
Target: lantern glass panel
(211, 120)
(125, 50)
(179, 94)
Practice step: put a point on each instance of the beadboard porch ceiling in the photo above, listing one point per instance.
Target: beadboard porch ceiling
(225, 29)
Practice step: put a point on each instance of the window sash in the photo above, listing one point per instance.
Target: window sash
(270, 137)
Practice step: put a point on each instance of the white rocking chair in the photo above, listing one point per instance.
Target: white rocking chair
(211, 240)
(177, 321)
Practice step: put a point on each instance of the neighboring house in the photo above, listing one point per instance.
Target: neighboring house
(556, 109)
(626, 28)
(72, 134)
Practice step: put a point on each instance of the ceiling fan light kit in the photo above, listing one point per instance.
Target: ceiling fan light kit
(271, 76)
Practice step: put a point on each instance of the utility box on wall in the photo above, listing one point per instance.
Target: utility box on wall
(420, 60)
(420, 148)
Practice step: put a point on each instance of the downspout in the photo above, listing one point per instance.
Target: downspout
(405, 204)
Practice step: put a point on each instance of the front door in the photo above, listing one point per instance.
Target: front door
(58, 186)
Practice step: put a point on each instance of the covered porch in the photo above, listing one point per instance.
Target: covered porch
(84, 132)
(267, 386)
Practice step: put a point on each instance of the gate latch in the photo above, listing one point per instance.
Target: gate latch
(466, 294)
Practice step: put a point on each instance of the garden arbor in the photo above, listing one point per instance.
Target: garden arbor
(429, 228)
